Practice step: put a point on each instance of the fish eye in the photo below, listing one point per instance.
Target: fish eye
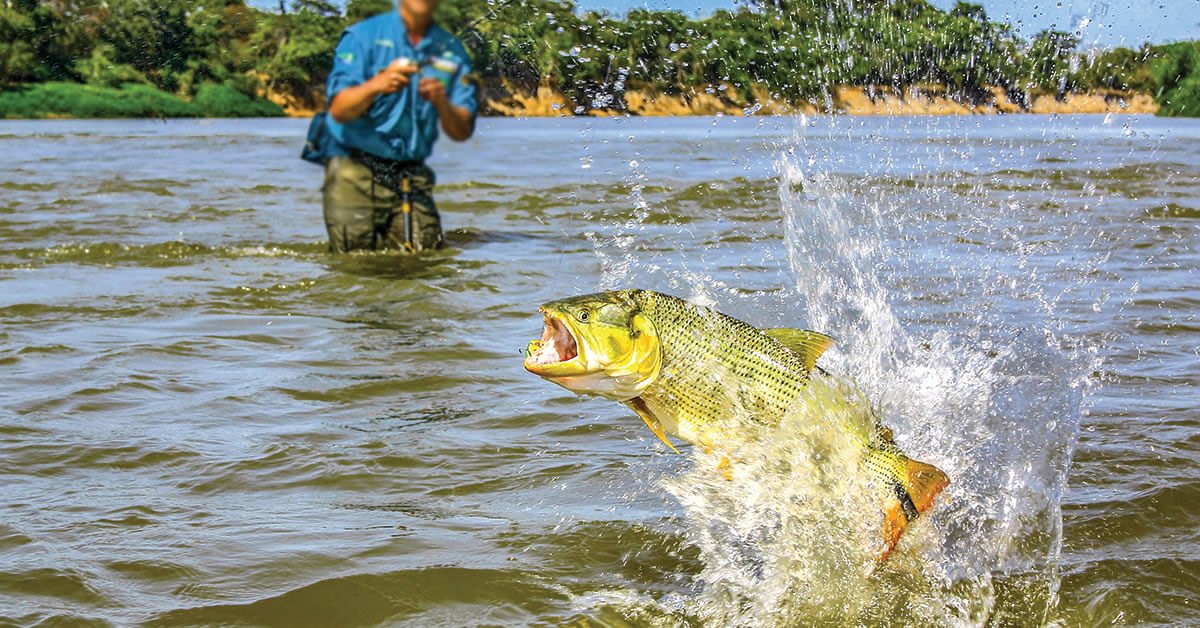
(583, 316)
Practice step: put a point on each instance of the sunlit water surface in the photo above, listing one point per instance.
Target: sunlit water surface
(204, 418)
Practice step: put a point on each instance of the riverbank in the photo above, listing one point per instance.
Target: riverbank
(132, 100)
(70, 100)
(847, 100)
(503, 101)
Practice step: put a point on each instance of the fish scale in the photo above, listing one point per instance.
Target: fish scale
(746, 372)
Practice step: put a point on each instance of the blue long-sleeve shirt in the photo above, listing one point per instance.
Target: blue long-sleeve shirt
(401, 126)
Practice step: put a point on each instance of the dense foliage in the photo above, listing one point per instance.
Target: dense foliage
(131, 100)
(791, 50)
(1177, 79)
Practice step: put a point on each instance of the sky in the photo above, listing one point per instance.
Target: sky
(1104, 22)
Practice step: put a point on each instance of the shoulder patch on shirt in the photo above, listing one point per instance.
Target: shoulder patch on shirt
(347, 57)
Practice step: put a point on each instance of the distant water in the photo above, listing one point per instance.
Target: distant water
(206, 419)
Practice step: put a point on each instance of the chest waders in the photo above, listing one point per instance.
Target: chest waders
(412, 183)
(383, 221)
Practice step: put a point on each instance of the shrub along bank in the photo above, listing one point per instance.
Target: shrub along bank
(132, 100)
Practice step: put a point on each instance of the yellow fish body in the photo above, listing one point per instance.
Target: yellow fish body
(687, 370)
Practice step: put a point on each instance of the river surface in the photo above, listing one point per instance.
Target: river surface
(207, 419)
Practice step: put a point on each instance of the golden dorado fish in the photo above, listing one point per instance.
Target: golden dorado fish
(686, 370)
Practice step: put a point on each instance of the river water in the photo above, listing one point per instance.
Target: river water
(206, 419)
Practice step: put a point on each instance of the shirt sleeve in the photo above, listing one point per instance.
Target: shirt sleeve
(463, 90)
(349, 66)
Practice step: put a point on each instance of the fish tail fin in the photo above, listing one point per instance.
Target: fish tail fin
(914, 494)
(923, 483)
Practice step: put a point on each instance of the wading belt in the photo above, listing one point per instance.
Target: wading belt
(407, 179)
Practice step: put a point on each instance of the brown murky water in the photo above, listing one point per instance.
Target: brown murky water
(205, 419)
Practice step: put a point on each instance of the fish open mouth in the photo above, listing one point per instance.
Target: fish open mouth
(557, 345)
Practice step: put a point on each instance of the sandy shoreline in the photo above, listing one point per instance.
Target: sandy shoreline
(856, 101)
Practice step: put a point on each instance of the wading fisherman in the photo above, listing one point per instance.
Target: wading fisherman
(395, 77)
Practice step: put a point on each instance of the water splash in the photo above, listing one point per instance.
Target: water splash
(792, 539)
(835, 247)
(995, 404)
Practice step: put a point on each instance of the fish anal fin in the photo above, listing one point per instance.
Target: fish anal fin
(725, 468)
(638, 406)
(806, 344)
(894, 524)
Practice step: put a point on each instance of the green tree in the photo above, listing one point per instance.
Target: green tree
(17, 61)
(1118, 68)
(1047, 63)
(359, 10)
(153, 36)
(99, 69)
(54, 33)
(296, 49)
(1175, 72)
(796, 50)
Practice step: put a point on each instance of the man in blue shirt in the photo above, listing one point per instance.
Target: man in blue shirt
(395, 77)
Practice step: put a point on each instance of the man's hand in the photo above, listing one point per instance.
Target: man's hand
(393, 78)
(457, 123)
(433, 90)
(352, 102)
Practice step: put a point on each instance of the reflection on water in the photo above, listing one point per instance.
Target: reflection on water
(204, 418)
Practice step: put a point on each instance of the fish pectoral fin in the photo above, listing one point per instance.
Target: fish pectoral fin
(639, 407)
(655, 427)
(806, 344)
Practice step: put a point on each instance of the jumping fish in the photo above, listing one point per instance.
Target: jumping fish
(685, 369)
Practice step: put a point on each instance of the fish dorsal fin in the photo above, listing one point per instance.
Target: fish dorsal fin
(807, 345)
